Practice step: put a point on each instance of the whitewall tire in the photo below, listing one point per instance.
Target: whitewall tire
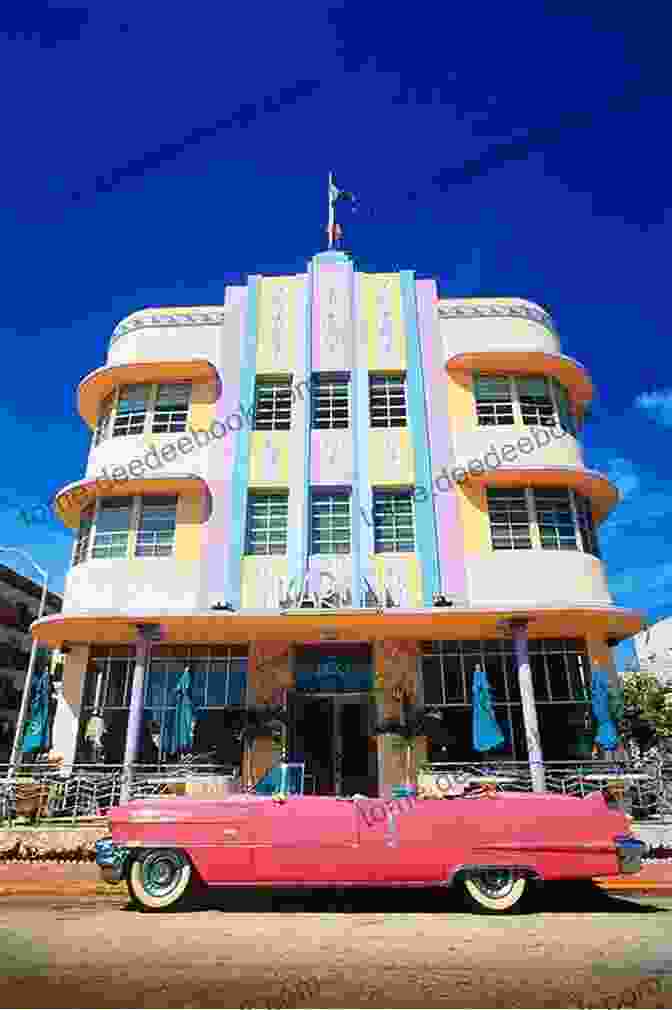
(159, 879)
(495, 890)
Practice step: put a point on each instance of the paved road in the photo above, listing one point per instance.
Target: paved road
(381, 949)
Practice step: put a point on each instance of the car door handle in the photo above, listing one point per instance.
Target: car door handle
(231, 831)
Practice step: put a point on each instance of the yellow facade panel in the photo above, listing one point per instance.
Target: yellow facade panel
(391, 457)
(276, 352)
(269, 458)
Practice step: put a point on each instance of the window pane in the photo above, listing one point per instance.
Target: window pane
(387, 401)
(218, 683)
(393, 521)
(330, 397)
(112, 526)
(584, 515)
(536, 404)
(555, 519)
(156, 531)
(103, 423)
(273, 404)
(171, 408)
(432, 681)
(131, 410)
(493, 399)
(565, 415)
(509, 520)
(330, 523)
(267, 517)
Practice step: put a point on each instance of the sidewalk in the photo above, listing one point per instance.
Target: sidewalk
(58, 879)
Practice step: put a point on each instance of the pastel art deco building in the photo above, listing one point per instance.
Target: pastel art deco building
(333, 482)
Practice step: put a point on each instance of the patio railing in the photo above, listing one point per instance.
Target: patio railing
(86, 791)
(648, 796)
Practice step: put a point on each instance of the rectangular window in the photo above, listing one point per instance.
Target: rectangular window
(156, 531)
(267, 523)
(387, 401)
(112, 528)
(103, 424)
(393, 521)
(330, 399)
(330, 523)
(584, 515)
(272, 405)
(536, 404)
(509, 519)
(131, 410)
(218, 681)
(83, 536)
(560, 675)
(565, 415)
(555, 519)
(494, 404)
(171, 408)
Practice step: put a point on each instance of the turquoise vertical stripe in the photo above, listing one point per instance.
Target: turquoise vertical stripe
(425, 533)
(241, 468)
(297, 534)
(361, 486)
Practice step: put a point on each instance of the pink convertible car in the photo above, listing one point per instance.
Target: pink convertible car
(494, 846)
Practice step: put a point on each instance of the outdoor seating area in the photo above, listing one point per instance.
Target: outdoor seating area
(37, 793)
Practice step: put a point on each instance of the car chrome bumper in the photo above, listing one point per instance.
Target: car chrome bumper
(111, 859)
(629, 852)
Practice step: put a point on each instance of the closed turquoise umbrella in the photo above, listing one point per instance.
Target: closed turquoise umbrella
(36, 736)
(181, 737)
(606, 735)
(485, 729)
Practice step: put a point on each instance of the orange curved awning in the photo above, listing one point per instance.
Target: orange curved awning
(95, 386)
(73, 498)
(602, 493)
(510, 360)
(112, 628)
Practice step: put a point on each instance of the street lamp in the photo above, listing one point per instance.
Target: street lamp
(31, 662)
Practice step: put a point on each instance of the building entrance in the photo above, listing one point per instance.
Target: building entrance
(332, 734)
(331, 720)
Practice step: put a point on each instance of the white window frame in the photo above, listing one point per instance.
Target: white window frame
(254, 497)
(513, 407)
(383, 386)
(108, 413)
(395, 494)
(528, 492)
(280, 387)
(85, 540)
(175, 418)
(334, 493)
(323, 398)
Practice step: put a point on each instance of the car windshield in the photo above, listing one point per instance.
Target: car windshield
(286, 777)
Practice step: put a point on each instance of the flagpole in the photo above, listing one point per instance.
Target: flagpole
(331, 211)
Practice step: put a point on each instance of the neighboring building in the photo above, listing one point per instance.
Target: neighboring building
(653, 648)
(323, 539)
(19, 605)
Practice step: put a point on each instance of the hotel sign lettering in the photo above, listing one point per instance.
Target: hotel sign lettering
(323, 590)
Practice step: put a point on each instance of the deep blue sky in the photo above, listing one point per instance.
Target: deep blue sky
(154, 153)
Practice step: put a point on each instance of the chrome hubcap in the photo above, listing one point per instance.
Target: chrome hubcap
(495, 883)
(161, 873)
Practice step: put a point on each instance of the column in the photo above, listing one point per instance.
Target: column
(269, 676)
(534, 754)
(68, 706)
(396, 671)
(142, 649)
